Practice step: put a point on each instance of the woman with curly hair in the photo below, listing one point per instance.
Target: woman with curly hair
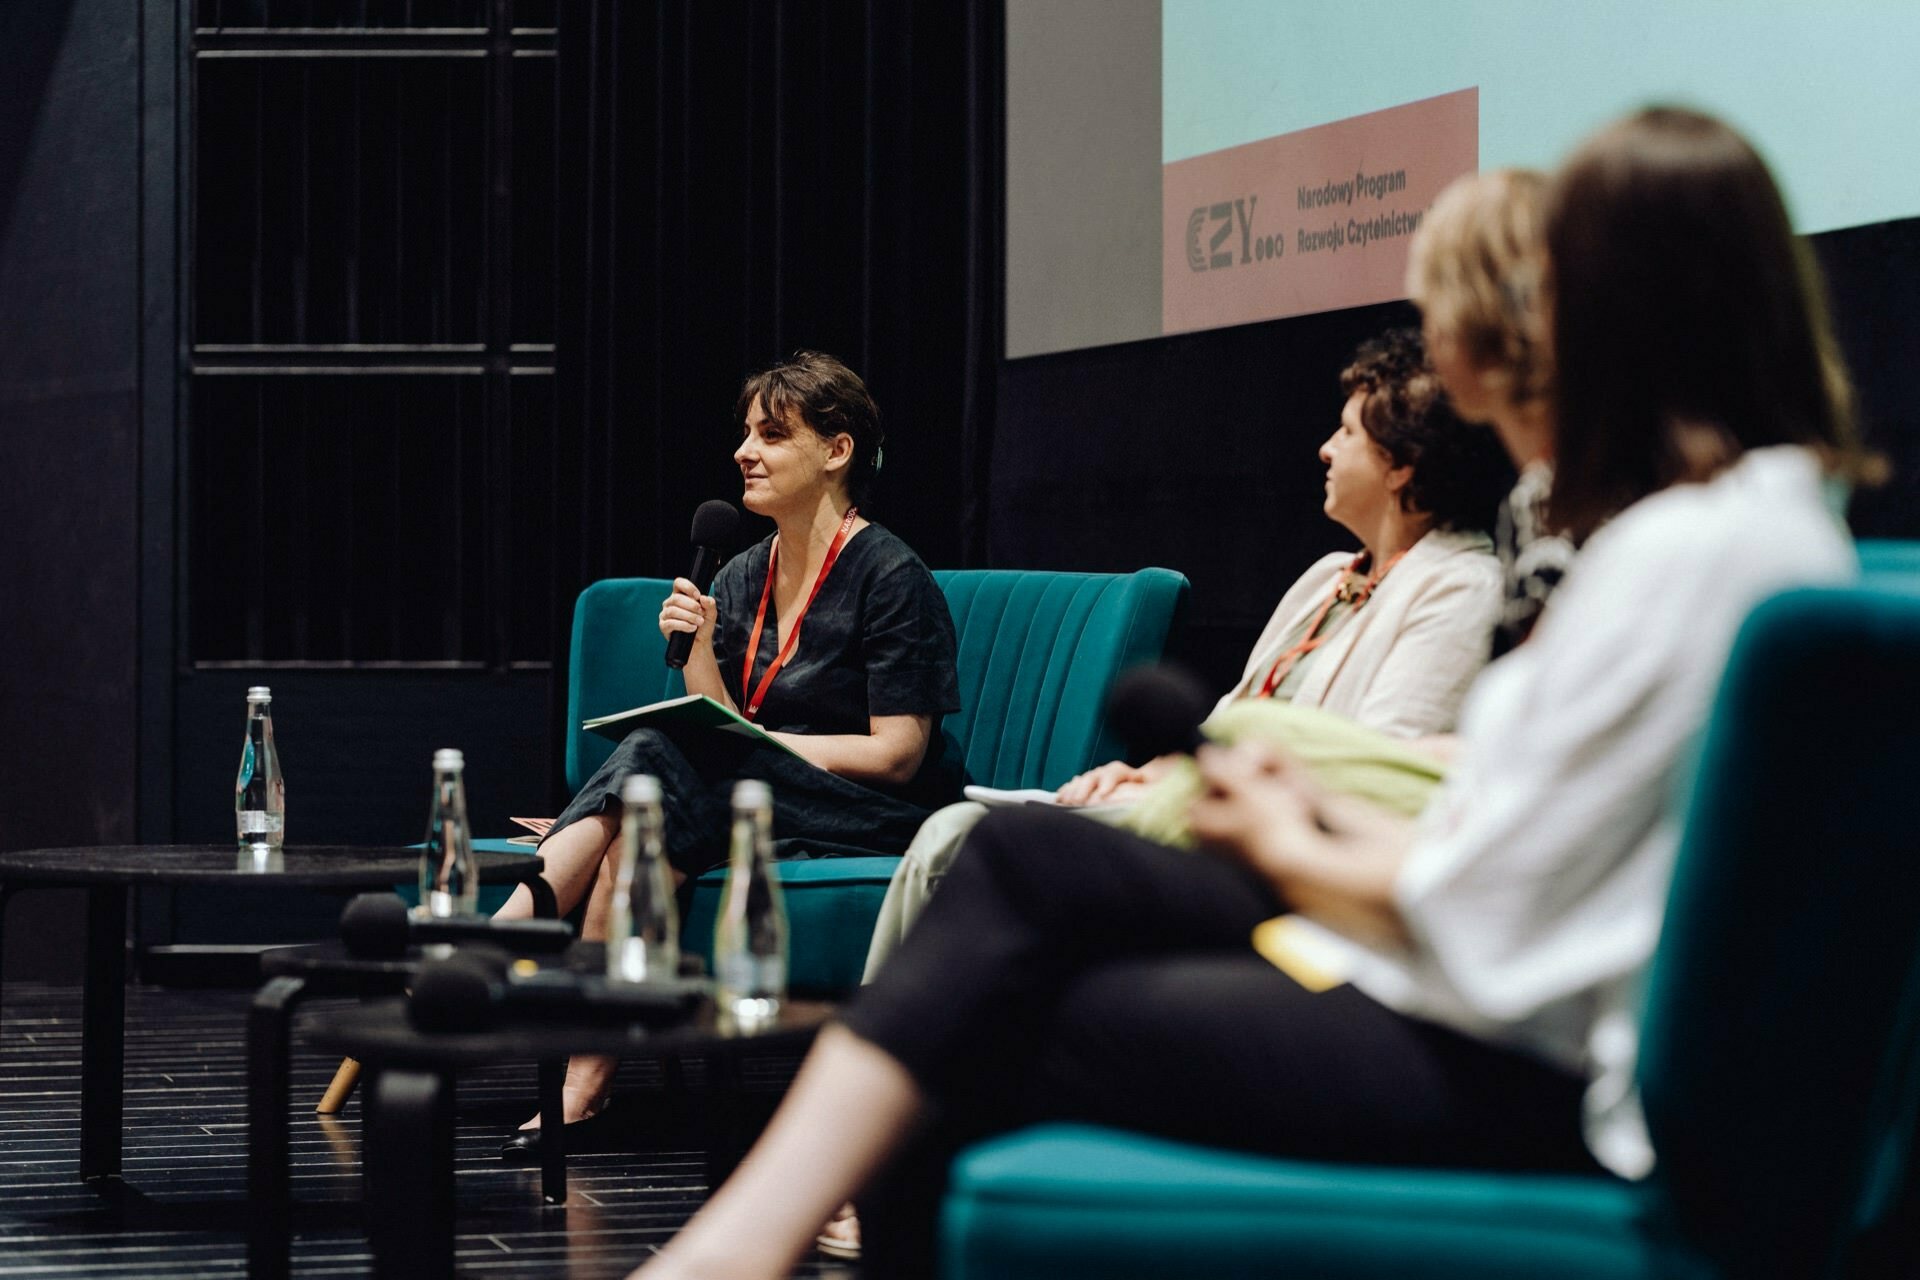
(1387, 639)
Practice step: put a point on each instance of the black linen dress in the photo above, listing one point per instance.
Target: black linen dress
(877, 641)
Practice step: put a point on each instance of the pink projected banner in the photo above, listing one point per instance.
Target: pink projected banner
(1309, 221)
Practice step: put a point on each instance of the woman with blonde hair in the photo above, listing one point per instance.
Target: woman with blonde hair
(1475, 271)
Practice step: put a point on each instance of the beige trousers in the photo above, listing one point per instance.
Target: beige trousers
(917, 876)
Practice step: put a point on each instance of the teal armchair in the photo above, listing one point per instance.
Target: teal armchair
(1884, 560)
(1780, 1069)
(1037, 653)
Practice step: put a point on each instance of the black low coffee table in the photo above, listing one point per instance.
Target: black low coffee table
(293, 976)
(107, 872)
(407, 1104)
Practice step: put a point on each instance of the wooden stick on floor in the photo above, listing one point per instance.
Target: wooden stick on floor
(341, 1089)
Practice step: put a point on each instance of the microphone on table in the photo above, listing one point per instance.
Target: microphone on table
(472, 989)
(1158, 711)
(713, 528)
(378, 926)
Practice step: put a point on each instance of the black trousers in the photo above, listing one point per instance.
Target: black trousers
(1070, 971)
(815, 813)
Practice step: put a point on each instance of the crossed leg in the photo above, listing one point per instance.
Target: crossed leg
(577, 865)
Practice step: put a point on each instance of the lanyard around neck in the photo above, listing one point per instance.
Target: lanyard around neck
(1343, 589)
(793, 637)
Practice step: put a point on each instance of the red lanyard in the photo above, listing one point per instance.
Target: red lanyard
(793, 636)
(1342, 590)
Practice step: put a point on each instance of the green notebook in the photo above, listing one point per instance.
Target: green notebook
(679, 717)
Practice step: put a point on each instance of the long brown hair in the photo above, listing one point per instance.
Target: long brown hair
(1683, 309)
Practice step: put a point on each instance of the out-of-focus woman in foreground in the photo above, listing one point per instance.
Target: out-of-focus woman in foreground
(1470, 996)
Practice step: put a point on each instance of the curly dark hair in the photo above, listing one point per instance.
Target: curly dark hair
(830, 399)
(1460, 471)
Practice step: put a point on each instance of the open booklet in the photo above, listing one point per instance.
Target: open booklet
(994, 798)
(694, 713)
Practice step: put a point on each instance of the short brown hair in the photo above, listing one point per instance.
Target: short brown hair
(1460, 472)
(1474, 271)
(831, 400)
(1680, 299)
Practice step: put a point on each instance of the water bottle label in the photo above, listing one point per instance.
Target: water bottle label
(258, 822)
(246, 762)
(751, 975)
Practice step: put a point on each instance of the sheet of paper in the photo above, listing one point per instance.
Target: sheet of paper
(993, 797)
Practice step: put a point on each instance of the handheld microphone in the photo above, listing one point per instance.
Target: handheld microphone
(713, 528)
(1157, 711)
(378, 926)
(472, 989)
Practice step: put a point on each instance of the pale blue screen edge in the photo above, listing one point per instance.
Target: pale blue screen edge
(1830, 93)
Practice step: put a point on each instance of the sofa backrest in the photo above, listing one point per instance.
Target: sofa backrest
(1778, 1066)
(1882, 559)
(617, 660)
(1038, 653)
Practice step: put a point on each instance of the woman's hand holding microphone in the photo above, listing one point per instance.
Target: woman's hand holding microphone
(687, 610)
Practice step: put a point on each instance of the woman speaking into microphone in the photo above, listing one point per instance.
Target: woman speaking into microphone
(829, 634)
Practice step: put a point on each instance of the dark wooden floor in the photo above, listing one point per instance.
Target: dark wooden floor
(181, 1210)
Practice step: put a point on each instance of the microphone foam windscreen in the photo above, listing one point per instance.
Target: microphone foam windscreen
(452, 995)
(488, 959)
(374, 926)
(714, 524)
(1157, 711)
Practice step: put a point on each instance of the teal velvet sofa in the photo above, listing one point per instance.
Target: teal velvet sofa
(1780, 1070)
(1883, 559)
(1037, 653)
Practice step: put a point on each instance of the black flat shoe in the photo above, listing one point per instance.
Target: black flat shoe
(523, 1147)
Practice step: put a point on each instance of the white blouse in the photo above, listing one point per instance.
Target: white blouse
(1538, 880)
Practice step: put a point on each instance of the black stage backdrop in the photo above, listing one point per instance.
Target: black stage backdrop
(745, 180)
(70, 467)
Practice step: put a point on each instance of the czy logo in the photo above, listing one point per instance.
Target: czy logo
(1224, 216)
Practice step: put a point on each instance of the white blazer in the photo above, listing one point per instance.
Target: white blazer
(1401, 663)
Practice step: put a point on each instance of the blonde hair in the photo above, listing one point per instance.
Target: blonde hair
(1475, 270)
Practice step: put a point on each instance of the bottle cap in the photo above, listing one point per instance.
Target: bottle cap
(751, 793)
(640, 788)
(259, 693)
(447, 758)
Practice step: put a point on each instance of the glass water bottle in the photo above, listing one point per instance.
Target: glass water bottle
(643, 935)
(750, 936)
(449, 885)
(260, 793)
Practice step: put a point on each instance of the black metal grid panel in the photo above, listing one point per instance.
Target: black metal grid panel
(341, 15)
(370, 332)
(338, 513)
